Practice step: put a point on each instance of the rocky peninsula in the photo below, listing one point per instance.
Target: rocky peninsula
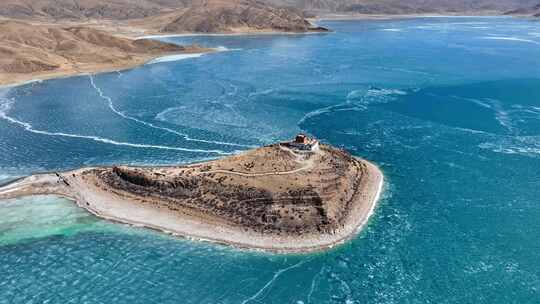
(286, 197)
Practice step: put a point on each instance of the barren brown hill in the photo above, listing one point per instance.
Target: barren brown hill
(85, 9)
(533, 11)
(170, 16)
(136, 9)
(210, 16)
(35, 50)
(406, 7)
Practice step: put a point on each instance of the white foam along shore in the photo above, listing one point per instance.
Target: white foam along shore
(117, 208)
(377, 197)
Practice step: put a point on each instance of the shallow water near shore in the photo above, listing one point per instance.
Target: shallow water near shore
(449, 108)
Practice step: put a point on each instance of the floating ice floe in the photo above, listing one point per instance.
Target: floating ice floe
(177, 57)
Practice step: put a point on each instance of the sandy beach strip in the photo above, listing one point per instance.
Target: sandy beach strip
(14, 80)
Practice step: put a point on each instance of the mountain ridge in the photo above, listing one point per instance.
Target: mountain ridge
(139, 9)
(211, 16)
(533, 11)
(393, 7)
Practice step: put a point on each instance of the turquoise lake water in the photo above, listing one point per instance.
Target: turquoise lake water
(448, 107)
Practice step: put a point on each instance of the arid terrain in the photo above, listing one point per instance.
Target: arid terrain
(529, 11)
(46, 38)
(226, 16)
(274, 198)
(409, 7)
(29, 51)
(51, 38)
(85, 9)
(128, 9)
(165, 16)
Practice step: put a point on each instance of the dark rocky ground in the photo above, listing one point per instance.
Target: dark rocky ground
(296, 206)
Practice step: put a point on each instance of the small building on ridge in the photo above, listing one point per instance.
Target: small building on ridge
(303, 143)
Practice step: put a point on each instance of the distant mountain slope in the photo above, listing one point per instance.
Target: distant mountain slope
(223, 14)
(81, 9)
(26, 49)
(165, 15)
(406, 7)
(234, 16)
(533, 11)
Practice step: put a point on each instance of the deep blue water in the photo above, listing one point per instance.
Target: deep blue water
(448, 107)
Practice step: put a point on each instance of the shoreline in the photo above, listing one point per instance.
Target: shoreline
(345, 17)
(37, 77)
(189, 226)
(231, 34)
(19, 80)
(40, 77)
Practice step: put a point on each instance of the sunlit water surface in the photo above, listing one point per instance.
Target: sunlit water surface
(448, 107)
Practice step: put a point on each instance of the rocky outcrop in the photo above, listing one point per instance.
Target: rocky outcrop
(294, 211)
(209, 16)
(309, 203)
